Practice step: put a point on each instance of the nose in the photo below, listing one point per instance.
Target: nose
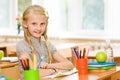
(39, 27)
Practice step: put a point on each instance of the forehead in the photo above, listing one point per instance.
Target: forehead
(37, 17)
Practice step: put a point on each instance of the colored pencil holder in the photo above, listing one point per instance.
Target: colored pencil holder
(82, 66)
(31, 75)
(9, 79)
(83, 77)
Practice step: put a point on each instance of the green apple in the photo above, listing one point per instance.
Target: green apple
(101, 56)
(1, 54)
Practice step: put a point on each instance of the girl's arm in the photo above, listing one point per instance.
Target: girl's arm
(62, 63)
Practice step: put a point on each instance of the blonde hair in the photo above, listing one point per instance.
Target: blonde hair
(36, 9)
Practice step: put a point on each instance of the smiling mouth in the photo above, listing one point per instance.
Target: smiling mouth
(37, 32)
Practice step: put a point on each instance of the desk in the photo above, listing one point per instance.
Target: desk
(111, 74)
(8, 48)
(10, 70)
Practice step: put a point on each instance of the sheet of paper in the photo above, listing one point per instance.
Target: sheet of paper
(117, 68)
(59, 74)
(11, 59)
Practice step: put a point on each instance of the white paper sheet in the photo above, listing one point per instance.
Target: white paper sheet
(59, 74)
(11, 59)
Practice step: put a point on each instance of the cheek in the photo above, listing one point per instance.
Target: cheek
(44, 28)
(30, 29)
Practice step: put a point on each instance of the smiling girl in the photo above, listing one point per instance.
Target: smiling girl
(35, 21)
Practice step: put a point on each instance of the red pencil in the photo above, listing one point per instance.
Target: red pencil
(84, 53)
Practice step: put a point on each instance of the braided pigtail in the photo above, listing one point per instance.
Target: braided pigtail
(49, 51)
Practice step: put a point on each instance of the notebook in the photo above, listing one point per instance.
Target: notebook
(99, 68)
(10, 59)
(101, 65)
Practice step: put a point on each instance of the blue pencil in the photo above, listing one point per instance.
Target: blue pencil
(38, 66)
(75, 53)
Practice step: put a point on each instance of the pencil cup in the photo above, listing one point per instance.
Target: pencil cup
(31, 75)
(82, 66)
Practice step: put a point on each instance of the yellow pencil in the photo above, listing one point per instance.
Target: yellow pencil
(34, 61)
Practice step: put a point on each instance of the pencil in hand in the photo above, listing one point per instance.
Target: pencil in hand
(39, 63)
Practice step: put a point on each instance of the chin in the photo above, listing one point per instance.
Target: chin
(37, 36)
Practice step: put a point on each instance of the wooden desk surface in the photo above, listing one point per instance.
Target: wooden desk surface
(10, 70)
(111, 74)
(7, 64)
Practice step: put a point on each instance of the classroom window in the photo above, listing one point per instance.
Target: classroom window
(69, 17)
(93, 14)
(7, 17)
(4, 16)
(22, 5)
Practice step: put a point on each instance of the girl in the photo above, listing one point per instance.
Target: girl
(35, 21)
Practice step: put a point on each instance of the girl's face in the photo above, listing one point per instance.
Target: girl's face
(36, 25)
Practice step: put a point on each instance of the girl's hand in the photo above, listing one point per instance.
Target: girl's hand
(50, 66)
(26, 56)
(44, 65)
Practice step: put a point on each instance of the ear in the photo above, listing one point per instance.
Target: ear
(24, 24)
